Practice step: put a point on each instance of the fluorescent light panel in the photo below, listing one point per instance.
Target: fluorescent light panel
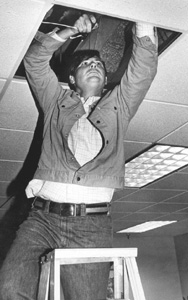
(153, 164)
(146, 226)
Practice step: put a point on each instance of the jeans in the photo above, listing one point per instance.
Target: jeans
(41, 233)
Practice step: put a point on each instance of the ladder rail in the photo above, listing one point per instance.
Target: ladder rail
(126, 271)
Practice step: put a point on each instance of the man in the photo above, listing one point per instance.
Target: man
(81, 163)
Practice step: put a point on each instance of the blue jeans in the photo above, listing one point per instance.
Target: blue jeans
(41, 233)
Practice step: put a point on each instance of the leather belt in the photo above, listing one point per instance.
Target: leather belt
(71, 209)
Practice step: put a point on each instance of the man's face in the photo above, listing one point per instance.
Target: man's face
(90, 74)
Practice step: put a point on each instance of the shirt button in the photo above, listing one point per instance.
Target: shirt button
(77, 115)
(78, 178)
(98, 121)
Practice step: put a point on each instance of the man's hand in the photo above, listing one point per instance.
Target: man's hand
(83, 24)
(143, 29)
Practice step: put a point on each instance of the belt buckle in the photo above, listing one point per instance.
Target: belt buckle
(72, 211)
(67, 210)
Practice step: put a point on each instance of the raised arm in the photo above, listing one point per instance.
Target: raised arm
(141, 69)
(41, 77)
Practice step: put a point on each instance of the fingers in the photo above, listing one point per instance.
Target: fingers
(85, 23)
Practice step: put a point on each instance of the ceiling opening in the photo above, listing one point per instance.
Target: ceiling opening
(114, 45)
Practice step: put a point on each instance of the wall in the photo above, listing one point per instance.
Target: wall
(157, 265)
(181, 243)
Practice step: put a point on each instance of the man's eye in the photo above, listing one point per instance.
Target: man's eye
(100, 64)
(84, 63)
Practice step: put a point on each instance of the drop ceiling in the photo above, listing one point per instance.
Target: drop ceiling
(162, 117)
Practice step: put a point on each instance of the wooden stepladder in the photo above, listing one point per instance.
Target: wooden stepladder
(126, 274)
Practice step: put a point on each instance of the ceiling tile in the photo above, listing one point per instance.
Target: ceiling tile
(2, 83)
(150, 196)
(118, 215)
(175, 17)
(9, 170)
(178, 137)
(165, 208)
(21, 17)
(123, 193)
(183, 170)
(175, 181)
(17, 107)
(127, 206)
(174, 216)
(181, 198)
(170, 84)
(133, 148)
(15, 144)
(143, 217)
(3, 188)
(5, 203)
(155, 120)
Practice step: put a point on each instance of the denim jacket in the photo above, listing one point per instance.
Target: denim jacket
(111, 116)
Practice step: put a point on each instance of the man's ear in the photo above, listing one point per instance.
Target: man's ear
(72, 80)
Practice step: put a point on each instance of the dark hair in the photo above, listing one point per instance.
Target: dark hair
(79, 56)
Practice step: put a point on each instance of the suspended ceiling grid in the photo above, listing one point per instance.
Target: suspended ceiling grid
(162, 117)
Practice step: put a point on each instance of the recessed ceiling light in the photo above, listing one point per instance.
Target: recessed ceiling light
(156, 162)
(145, 226)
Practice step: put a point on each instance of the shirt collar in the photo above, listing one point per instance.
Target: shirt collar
(88, 102)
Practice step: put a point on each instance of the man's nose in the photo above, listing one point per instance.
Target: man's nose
(93, 65)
